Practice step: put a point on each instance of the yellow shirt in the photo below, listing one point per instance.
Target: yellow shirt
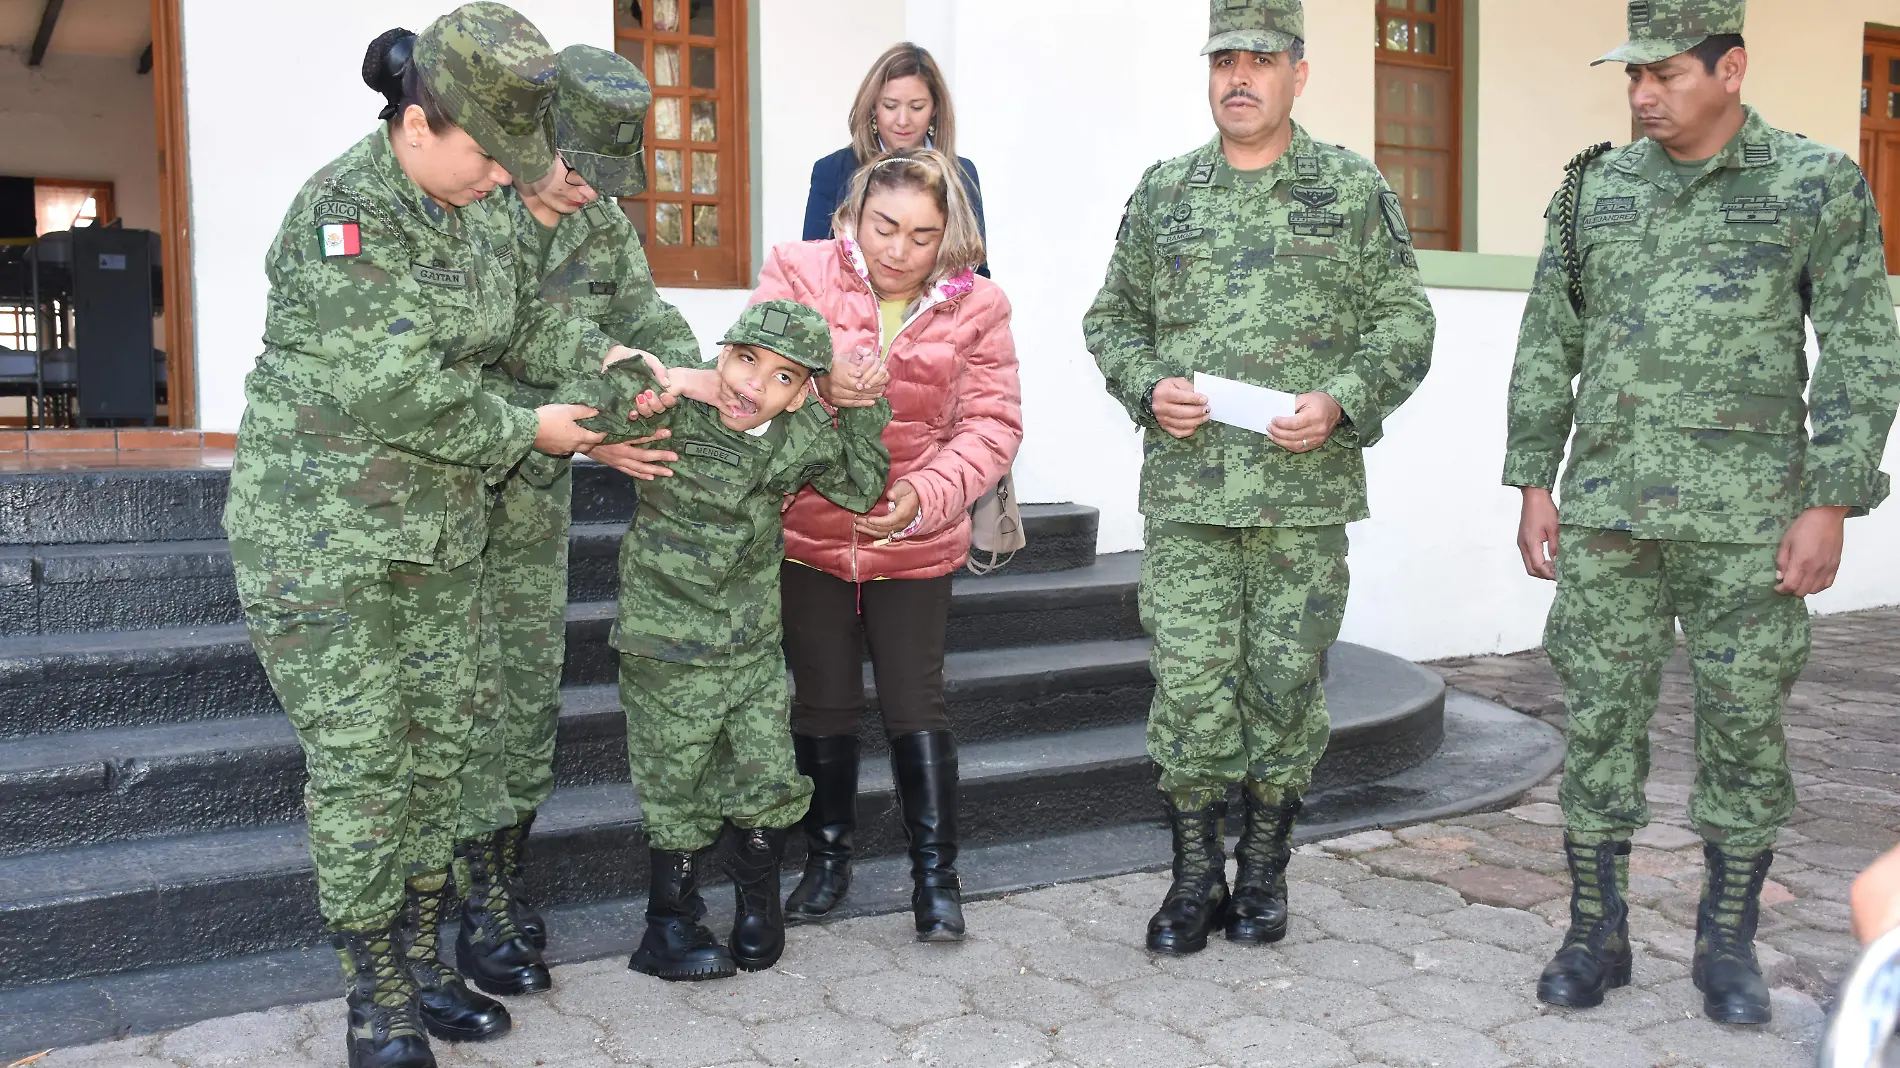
(892, 312)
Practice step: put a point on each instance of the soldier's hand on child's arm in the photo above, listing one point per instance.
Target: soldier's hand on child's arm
(1178, 409)
(1314, 417)
(629, 459)
(1537, 533)
(1810, 552)
(560, 433)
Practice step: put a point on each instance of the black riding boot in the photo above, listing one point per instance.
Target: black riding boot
(1725, 969)
(449, 1009)
(758, 922)
(1257, 912)
(924, 764)
(1197, 899)
(1595, 957)
(384, 1031)
(490, 950)
(512, 844)
(832, 764)
(676, 945)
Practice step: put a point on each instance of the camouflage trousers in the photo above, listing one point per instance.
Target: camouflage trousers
(525, 586)
(381, 668)
(1240, 617)
(1609, 633)
(708, 744)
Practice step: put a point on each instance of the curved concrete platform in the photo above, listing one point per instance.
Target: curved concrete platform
(1490, 756)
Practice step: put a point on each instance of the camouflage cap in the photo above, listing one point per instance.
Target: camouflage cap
(493, 74)
(1663, 28)
(600, 112)
(788, 328)
(1253, 25)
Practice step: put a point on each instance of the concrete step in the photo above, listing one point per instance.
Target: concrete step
(126, 783)
(97, 679)
(58, 588)
(213, 894)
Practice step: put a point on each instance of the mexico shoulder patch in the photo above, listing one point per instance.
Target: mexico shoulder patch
(341, 239)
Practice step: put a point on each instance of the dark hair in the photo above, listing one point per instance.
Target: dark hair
(389, 69)
(1711, 51)
(1296, 54)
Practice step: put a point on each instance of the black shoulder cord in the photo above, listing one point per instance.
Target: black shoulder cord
(1569, 200)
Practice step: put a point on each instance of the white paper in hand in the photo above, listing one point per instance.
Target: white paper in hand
(1239, 404)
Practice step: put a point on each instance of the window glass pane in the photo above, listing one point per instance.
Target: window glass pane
(705, 69)
(1866, 68)
(636, 211)
(1893, 72)
(1863, 100)
(706, 173)
(669, 224)
(666, 15)
(705, 124)
(635, 52)
(627, 15)
(666, 119)
(1893, 105)
(666, 171)
(1398, 35)
(1425, 7)
(702, 16)
(1425, 39)
(666, 64)
(706, 225)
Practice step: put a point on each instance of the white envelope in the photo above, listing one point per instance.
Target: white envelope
(1239, 404)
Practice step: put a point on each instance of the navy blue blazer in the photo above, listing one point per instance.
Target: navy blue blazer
(832, 175)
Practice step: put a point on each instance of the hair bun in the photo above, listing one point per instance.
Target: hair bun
(384, 61)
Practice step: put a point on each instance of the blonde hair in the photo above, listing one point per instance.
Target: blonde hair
(925, 170)
(903, 60)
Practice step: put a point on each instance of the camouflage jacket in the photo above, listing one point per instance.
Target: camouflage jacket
(367, 430)
(1300, 279)
(699, 564)
(594, 269)
(1689, 353)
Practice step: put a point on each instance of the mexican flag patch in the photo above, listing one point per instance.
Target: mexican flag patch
(341, 239)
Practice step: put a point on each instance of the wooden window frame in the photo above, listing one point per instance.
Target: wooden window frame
(174, 214)
(1449, 23)
(1874, 123)
(728, 265)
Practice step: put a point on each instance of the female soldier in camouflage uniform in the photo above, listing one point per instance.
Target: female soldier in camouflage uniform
(359, 497)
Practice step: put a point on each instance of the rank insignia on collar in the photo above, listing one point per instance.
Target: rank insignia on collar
(1306, 166)
(1754, 155)
(1203, 174)
(1753, 210)
(1640, 12)
(340, 239)
(1315, 196)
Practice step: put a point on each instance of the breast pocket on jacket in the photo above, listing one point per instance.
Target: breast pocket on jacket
(1743, 263)
(1186, 281)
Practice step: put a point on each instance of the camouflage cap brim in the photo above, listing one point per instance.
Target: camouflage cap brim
(1642, 53)
(612, 176)
(1248, 41)
(527, 157)
(744, 333)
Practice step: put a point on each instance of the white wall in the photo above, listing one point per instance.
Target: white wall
(82, 117)
(243, 174)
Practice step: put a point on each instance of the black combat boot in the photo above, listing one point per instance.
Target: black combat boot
(490, 949)
(924, 765)
(1197, 899)
(1595, 957)
(384, 1031)
(832, 764)
(1725, 969)
(449, 1009)
(512, 844)
(758, 922)
(1257, 912)
(676, 945)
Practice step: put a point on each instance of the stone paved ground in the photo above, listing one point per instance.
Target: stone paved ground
(1410, 948)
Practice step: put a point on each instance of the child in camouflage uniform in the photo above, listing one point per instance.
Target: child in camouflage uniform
(702, 676)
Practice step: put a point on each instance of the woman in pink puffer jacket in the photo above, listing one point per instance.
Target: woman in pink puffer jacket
(908, 318)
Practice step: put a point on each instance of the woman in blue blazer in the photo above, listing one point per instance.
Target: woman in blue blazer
(902, 104)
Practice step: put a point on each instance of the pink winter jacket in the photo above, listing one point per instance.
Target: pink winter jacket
(956, 408)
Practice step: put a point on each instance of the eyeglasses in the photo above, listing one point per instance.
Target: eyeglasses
(573, 177)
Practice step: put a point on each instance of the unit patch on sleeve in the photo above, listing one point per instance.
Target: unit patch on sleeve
(1394, 212)
(1609, 211)
(337, 209)
(340, 239)
(1753, 210)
